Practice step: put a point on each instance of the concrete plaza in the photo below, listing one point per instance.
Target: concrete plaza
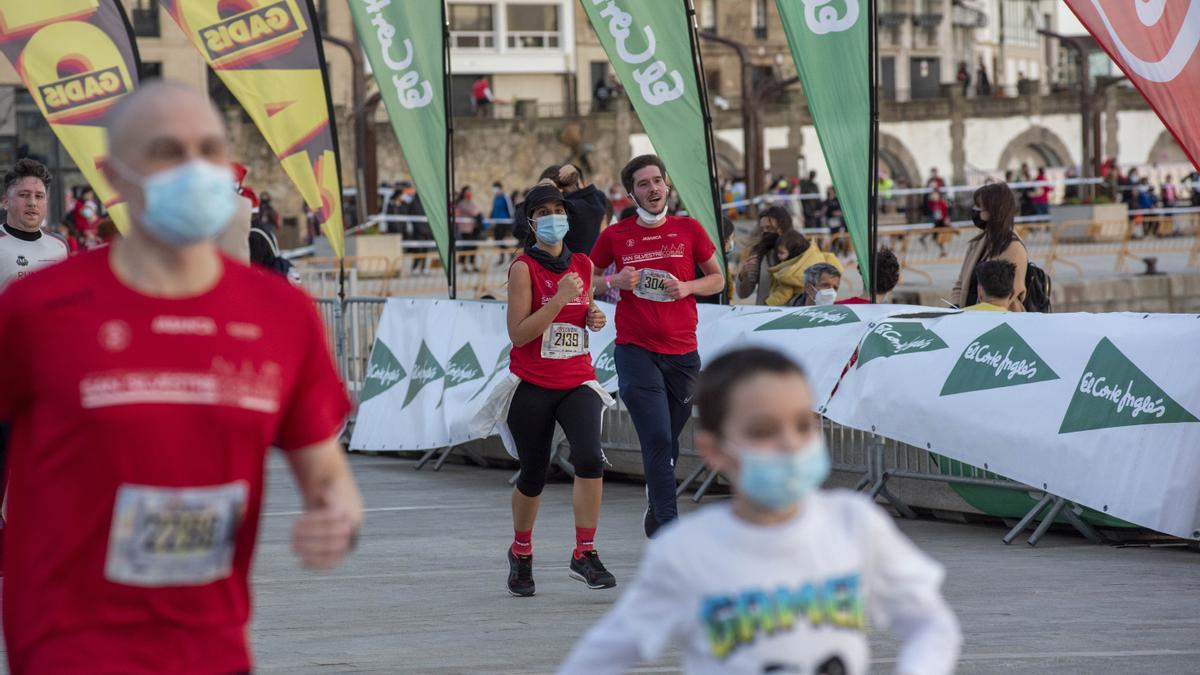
(425, 591)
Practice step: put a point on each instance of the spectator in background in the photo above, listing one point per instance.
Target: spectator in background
(993, 212)
(797, 255)
(963, 78)
(1071, 190)
(312, 221)
(481, 96)
(831, 215)
(1026, 194)
(939, 212)
(468, 224)
(1193, 185)
(267, 215)
(502, 210)
(1170, 196)
(395, 207)
(755, 273)
(885, 187)
(983, 85)
(418, 230)
(808, 186)
(85, 213)
(821, 283)
(106, 231)
(995, 289)
(1040, 195)
(618, 200)
(887, 276)
(66, 232)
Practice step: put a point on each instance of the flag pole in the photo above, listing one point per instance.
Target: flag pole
(448, 106)
(873, 158)
(709, 145)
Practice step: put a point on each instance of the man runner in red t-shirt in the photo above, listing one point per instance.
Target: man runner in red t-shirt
(144, 383)
(656, 257)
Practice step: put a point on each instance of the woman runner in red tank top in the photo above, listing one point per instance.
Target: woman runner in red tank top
(550, 309)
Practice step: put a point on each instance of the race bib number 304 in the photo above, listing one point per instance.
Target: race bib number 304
(564, 341)
(653, 286)
(174, 536)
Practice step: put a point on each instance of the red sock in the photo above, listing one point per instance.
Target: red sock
(584, 540)
(522, 543)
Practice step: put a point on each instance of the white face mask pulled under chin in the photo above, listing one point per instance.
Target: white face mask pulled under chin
(648, 217)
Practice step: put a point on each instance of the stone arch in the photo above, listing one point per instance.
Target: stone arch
(1038, 146)
(899, 162)
(1166, 151)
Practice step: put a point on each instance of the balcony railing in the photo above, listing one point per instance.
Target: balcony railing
(472, 39)
(533, 39)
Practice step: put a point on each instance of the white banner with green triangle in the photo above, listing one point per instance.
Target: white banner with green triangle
(1097, 408)
(1100, 409)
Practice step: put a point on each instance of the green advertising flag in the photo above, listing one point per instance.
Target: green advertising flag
(403, 42)
(829, 44)
(649, 43)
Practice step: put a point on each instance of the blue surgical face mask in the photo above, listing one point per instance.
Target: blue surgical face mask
(777, 480)
(186, 204)
(552, 228)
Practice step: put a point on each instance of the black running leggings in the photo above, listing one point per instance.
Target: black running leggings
(531, 419)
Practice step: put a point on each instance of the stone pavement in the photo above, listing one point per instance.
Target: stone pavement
(425, 591)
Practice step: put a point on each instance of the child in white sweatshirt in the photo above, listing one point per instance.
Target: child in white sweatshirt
(782, 578)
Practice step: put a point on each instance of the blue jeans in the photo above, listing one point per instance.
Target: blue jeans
(657, 390)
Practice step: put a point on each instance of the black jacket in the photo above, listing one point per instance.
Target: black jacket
(586, 209)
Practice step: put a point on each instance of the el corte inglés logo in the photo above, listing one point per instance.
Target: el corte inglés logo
(253, 31)
(1113, 392)
(383, 372)
(896, 338)
(812, 317)
(998, 358)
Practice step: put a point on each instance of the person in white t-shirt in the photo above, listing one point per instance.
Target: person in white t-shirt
(783, 577)
(24, 246)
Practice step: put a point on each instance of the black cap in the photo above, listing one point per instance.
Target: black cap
(539, 196)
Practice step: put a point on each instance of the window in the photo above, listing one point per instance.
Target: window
(472, 26)
(144, 17)
(533, 27)
(1020, 22)
(708, 16)
(151, 70)
(758, 19)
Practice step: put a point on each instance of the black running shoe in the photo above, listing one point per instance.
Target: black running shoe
(590, 571)
(520, 575)
(649, 522)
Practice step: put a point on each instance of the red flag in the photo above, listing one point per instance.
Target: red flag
(1155, 43)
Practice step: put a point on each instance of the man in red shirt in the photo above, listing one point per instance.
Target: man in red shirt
(656, 256)
(144, 383)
